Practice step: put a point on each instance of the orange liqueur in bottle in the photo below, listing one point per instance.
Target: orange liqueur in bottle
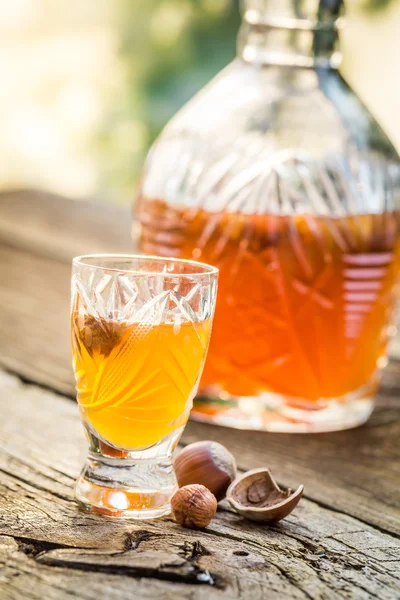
(278, 175)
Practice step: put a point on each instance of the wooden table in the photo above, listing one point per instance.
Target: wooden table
(341, 542)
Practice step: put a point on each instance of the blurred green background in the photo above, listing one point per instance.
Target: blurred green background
(87, 86)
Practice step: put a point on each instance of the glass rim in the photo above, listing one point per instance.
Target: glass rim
(206, 268)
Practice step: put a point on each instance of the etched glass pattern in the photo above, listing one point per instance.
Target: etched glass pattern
(279, 176)
(140, 333)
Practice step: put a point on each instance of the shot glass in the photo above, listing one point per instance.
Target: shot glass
(140, 328)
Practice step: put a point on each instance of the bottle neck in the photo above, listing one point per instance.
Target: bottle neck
(297, 33)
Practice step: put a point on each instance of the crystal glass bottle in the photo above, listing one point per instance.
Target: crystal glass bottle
(277, 174)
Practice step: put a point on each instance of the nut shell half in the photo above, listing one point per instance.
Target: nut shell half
(256, 496)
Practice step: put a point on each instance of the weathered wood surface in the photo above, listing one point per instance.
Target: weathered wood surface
(59, 228)
(343, 542)
(39, 235)
(316, 553)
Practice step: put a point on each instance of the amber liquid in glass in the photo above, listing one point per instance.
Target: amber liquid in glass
(135, 382)
(304, 302)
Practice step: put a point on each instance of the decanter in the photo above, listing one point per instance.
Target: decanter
(277, 174)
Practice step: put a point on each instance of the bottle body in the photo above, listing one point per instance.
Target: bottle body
(280, 177)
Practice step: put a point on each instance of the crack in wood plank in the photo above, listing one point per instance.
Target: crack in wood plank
(147, 565)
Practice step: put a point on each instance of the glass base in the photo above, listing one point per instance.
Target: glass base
(279, 413)
(139, 486)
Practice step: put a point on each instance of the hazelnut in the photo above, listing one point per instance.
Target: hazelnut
(193, 506)
(97, 334)
(207, 463)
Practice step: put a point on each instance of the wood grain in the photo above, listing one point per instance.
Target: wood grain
(49, 549)
(60, 228)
